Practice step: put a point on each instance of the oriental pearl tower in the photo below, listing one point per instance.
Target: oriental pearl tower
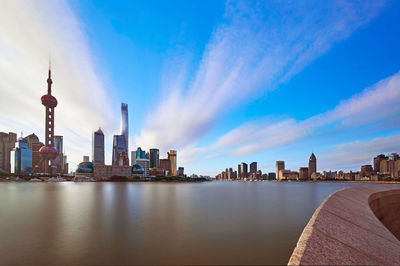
(48, 153)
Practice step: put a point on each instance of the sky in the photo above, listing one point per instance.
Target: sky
(221, 82)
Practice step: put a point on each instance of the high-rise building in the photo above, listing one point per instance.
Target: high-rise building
(7, 143)
(98, 147)
(312, 165)
(48, 152)
(280, 165)
(21, 158)
(239, 172)
(34, 144)
(125, 125)
(253, 168)
(303, 173)
(172, 157)
(145, 164)
(154, 158)
(118, 147)
(166, 165)
(387, 165)
(377, 162)
(243, 169)
(181, 171)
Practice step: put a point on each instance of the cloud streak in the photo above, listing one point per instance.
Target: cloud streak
(29, 32)
(260, 45)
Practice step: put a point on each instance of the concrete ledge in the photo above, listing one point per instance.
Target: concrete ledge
(347, 229)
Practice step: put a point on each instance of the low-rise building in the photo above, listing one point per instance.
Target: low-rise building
(107, 171)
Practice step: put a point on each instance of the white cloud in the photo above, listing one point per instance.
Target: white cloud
(260, 45)
(378, 103)
(350, 156)
(29, 32)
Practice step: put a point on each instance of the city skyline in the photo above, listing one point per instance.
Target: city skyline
(276, 99)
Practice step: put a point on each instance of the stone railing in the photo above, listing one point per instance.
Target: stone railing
(358, 225)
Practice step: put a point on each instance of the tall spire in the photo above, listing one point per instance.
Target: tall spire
(49, 81)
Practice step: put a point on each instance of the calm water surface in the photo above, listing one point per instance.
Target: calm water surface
(155, 223)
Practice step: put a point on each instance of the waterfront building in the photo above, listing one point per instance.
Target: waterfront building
(172, 156)
(140, 153)
(34, 144)
(58, 162)
(123, 160)
(181, 171)
(107, 171)
(125, 126)
(366, 170)
(86, 158)
(137, 170)
(98, 147)
(119, 146)
(239, 172)
(156, 172)
(243, 170)
(7, 144)
(387, 166)
(312, 165)
(145, 164)
(288, 175)
(154, 158)
(280, 165)
(253, 168)
(166, 165)
(230, 174)
(84, 170)
(65, 164)
(303, 173)
(271, 176)
(48, 153)
(21, 158)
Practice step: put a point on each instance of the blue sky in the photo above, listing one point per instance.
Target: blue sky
(220, 81)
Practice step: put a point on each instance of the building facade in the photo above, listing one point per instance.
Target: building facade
(21, 158)
(172, 156)
(280, 165)
(243, 170)
(303, 173)
(154, 158)
(7, 144)
(166, 165)
(312, 165)
(145, 164)
(387, 165)
(119, 146)
(253, 168)
(181, 171)
(98, 147)
(125, 126)
(107, 171)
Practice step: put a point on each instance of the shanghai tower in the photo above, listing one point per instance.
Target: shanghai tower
(125, 125)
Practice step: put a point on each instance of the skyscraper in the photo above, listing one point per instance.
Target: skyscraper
(7, 143)
(34, 144)
(172, 156)
(118, 147)
(239, 172)
(48, 152)
(243, 169)
(253, 168)
(98, 147)
(125, 125)
(312, 165)
(280, 165)
(154, 158)
(21, 158)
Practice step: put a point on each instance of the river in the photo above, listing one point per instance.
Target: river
(155, 223)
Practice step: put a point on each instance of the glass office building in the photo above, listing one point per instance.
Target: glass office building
(154, 158)
(125, 125)
(118, 147)
(21, 158)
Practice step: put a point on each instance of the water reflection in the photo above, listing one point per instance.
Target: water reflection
(155, 223)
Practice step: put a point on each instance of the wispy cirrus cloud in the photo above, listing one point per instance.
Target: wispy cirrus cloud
(29, 32)
(260, 45)
(378, 103)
